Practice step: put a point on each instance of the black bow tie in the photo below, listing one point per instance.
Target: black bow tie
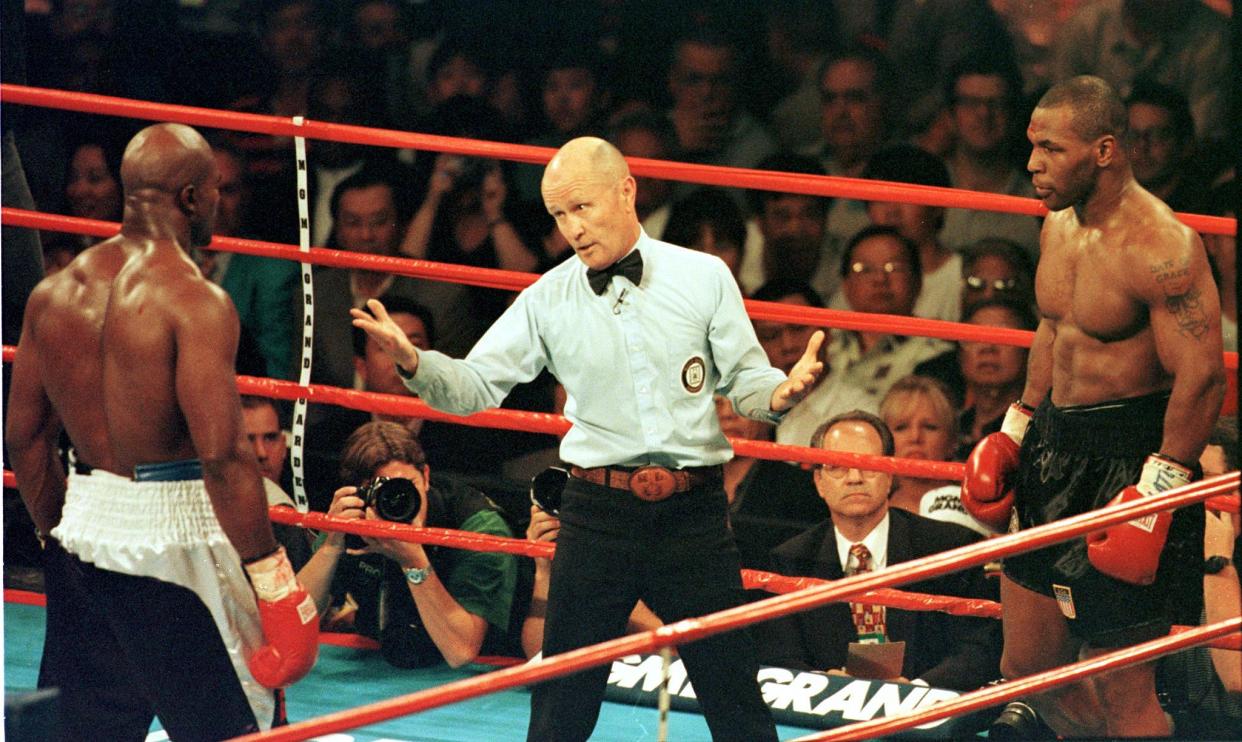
(631, 267)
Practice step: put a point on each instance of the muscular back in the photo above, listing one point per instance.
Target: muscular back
(1125, 301)
(64, 330)
(168, 345)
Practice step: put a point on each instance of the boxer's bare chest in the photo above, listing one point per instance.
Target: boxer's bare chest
(1083, 282)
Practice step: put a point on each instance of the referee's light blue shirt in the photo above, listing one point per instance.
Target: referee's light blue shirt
(639, 363)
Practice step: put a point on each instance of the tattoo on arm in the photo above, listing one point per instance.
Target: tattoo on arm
(1182, 299)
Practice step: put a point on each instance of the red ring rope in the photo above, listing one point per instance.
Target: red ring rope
(997, 694)
(514, 281)
(769, 608)
(816, 185)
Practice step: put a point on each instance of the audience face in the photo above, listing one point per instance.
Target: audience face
(703, 78)
(880, 279)
(376, 368)
(852, 112)
(294, 38)
(734, 425)
(457, 76)
(1151, 143)
(715, 244)
(784, 343)
(992, 365)
(232, 195)
(915, 222)
(919, 429)
(367, 221)
(789, 215)
(92, 189)
(980, 113)
(652, 192)
(991, 277)
(377, 25)
(569, 98)
(850, 492)
(268, 440)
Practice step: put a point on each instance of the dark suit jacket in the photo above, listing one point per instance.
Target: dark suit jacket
(946, 651)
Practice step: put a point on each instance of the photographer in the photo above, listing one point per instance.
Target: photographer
(423, 604)
(544, 526)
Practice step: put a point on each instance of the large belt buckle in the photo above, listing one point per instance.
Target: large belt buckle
(652, 483)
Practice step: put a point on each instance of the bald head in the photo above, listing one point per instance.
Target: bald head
(169, 173)
(587, 188)
(587, 158)
(165, 158)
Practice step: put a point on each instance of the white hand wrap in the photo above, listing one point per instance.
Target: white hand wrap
(1017, 420)
(1161, 473)
(272, 576)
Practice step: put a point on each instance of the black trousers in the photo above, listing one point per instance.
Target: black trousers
(679, 557)
(124, 649)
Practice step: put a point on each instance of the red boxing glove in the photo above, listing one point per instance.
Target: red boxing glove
(1130, 551)
(987, 492)
(290, 623)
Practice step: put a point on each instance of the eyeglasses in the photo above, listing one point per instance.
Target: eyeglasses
(888, 268)
(841, 472)
(978, 283)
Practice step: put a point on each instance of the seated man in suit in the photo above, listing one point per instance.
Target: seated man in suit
(944, 651)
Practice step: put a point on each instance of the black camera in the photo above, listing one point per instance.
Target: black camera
(394, 498)
(546, 488)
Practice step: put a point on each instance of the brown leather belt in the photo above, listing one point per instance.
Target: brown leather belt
(650, 483)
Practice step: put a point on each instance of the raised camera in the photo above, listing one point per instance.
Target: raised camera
(394, 498)
(546, 488)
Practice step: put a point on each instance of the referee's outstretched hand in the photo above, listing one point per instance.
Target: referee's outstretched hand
(802, 376)
(387, 335)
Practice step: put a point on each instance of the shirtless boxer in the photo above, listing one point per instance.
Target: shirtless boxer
(1124, 384)
(130, 352)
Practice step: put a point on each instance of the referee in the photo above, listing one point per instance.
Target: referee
(641, 334)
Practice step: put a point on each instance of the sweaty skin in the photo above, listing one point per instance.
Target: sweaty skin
(58, 378)
(170, 336)
(130, 351)
(1126, 295)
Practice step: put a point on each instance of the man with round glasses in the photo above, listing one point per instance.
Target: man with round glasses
(880, 274)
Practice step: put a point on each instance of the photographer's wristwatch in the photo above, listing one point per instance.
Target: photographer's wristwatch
(417, 575)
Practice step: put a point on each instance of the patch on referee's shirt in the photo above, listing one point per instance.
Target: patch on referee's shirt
(1065, 600)
(693, 374)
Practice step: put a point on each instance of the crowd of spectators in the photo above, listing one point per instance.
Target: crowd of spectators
(932, 92)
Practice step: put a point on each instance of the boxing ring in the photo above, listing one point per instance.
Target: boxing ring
(440, 703)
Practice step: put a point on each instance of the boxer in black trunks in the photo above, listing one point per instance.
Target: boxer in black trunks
(130, 351)
(1126, 371)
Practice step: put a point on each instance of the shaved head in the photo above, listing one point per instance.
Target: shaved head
(165, 158)
(1097, 108)
(587, 158)
(171, 165)
(588, 189)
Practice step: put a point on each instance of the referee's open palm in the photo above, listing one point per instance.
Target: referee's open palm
(390, 338)
(802, 376)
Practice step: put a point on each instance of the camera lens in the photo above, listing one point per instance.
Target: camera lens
(546, 488)
(396, 499)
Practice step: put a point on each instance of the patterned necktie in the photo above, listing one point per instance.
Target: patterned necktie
(631, 266)
(868, 618)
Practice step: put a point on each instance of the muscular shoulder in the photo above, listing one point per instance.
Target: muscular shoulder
(1161, 252)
